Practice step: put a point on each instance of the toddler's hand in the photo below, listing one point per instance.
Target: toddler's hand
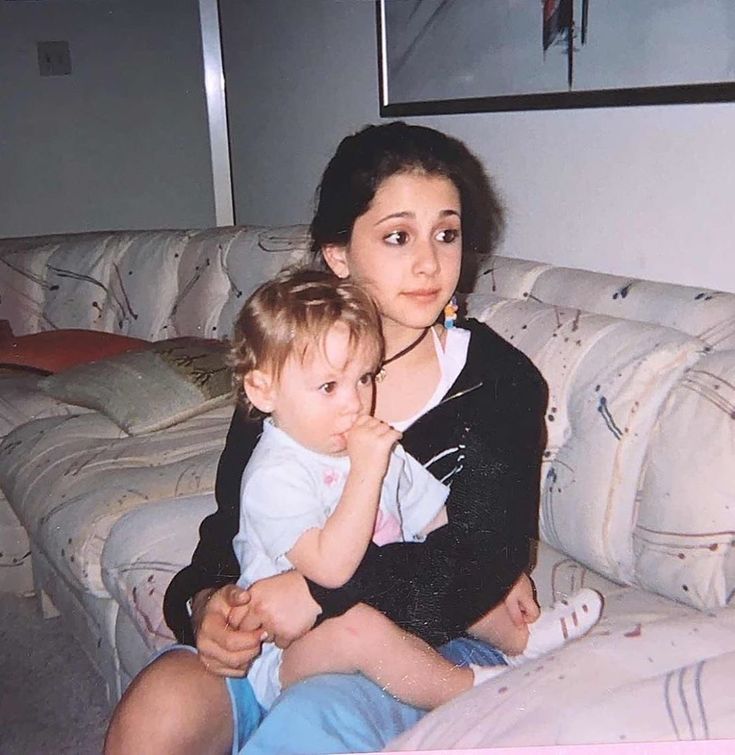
(369, 443)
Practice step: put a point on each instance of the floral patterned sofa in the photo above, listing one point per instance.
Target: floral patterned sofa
(637, 498)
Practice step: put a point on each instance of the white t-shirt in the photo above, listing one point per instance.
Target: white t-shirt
(452, 358)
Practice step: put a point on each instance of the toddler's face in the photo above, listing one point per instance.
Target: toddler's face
(317, 400)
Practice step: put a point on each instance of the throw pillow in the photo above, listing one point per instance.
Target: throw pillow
(150, 390)
(57, 350)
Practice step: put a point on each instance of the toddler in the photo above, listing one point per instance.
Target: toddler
(327, 477)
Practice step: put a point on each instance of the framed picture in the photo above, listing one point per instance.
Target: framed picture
(463, 56)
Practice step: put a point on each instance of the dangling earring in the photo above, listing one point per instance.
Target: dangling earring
(450, 312)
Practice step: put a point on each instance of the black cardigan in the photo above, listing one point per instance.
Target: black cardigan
(485, 439)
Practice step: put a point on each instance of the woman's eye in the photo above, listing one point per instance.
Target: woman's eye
(398, 238)
(328, 387)
(367, 379)
(448, 235)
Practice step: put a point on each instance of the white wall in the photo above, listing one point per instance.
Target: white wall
(299, 77)
(640, 191)
(122, 142)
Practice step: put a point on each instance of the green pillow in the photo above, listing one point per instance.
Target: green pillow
(149, 390)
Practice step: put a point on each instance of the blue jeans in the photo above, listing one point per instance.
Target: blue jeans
(334, 712)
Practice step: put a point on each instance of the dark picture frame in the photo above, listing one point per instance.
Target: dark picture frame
(470, 56)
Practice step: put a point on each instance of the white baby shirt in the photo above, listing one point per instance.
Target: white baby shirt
(288, 489)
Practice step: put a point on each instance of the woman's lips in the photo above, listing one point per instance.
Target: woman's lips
(422, 294)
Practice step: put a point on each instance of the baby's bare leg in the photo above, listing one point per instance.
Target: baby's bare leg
(363, 640)
(497, 628)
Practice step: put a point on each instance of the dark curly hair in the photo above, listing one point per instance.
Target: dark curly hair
(365, 159)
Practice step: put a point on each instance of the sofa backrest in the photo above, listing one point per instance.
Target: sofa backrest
(637, 480)
(149, 284)
(158, 284)
(702, 313)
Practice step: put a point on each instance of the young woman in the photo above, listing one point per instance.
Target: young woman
(402, 211)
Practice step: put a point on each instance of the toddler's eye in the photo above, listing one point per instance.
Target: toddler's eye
(328, 388)
(367, 379)
(448, 235)
(397, 238)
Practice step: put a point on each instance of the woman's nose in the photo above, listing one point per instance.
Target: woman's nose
(426, 259)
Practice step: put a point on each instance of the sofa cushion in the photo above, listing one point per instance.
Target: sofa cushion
(21, 401)
(69, 479)
(15, 552)
(23, 287)
(104, 281)
(153, 389)
(137, 307)
(202, 285)
(509, 277)
(82, 288)
(702, 313)
(556, 575)
(608, 380)
(57, 350)
(255, 256)
(651, 669)
(684, 536)
(145, 549)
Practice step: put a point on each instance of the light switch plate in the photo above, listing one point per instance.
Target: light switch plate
(54, 58)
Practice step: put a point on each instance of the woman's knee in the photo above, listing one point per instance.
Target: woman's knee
(173, 705)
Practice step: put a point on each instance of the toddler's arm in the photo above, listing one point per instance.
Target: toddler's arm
(329, 556)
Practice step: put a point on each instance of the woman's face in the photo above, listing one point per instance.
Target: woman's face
(406, 249)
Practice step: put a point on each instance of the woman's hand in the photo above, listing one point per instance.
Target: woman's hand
(284, 607)
(228, 636)
(521, 602)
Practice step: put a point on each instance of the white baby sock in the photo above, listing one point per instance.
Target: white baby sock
(566, 620)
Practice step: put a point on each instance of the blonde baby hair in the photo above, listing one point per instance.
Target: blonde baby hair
(294, 312)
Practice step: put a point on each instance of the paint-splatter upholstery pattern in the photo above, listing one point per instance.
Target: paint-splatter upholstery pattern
(637, 494)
